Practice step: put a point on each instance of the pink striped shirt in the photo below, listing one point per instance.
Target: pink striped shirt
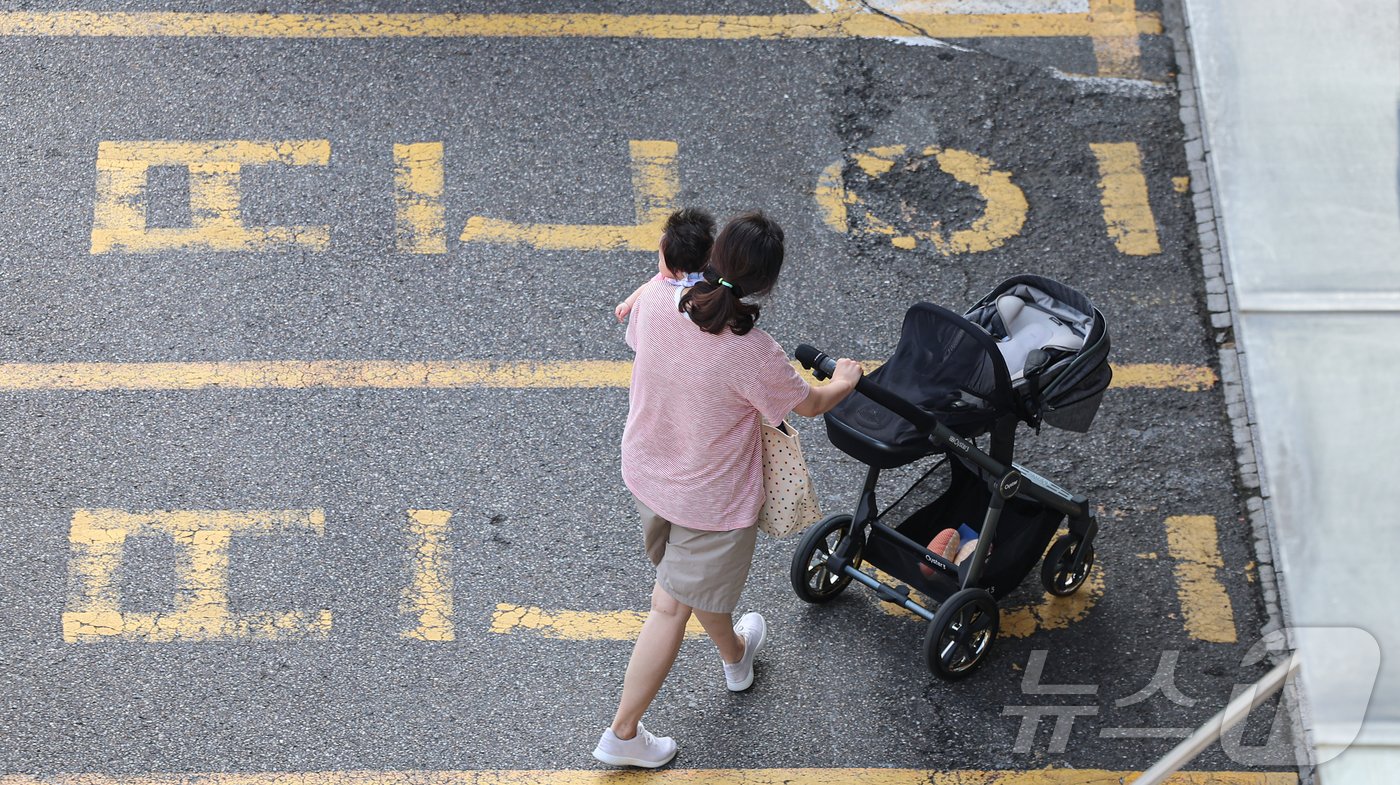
(692, 451)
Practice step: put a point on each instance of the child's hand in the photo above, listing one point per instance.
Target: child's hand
(623, 308)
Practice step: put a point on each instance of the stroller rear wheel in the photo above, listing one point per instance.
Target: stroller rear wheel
(811, 579)
(1057, 572)
(961, 634)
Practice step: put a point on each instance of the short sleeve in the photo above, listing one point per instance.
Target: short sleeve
(769, 382)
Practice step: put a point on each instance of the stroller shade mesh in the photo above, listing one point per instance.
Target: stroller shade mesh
(1023, 533)
(943, 364)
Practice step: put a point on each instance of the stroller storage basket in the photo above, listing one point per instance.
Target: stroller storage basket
(1024, 530)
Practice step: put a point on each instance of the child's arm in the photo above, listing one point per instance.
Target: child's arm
(625, 307)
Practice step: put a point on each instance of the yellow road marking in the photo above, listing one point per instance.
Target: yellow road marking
(1116, 29)
(1001, 219)
(846, 24)
(576, 625)
(420, 217)
(877, 776)
(429, 597)
(1051, 612)
(119, 213)
(1116, 26)
(201, 613)
(418, 375)
(1126, 209)
(1022, 621)
(1164, 376)
(1193, 541)
(655, 187)
(1005, 213)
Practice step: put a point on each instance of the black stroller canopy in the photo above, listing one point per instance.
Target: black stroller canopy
(943, 364)
(955, 368)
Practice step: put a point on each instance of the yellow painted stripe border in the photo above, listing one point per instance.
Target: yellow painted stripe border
(667, 777)
(410, 375)
(576, 625)
(847, 24)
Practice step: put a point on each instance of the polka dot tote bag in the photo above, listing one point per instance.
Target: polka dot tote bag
(791, 499)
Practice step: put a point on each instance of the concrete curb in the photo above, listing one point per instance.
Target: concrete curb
(1223, 306)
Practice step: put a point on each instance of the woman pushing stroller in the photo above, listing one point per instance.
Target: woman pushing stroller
(703, 377)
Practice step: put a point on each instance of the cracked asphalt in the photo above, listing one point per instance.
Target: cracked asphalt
(536, 130)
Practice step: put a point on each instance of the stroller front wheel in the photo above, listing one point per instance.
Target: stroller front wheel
(961, 634)
(811, 579)
(1057, 572)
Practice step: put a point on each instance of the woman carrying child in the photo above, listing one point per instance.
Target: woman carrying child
(692, 456)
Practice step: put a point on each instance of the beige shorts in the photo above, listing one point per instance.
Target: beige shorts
(703, 569)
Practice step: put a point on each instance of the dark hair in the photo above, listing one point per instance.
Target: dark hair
(686, 240)
(747, 255)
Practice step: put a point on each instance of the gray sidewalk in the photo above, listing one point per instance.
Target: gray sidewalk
(1299, 107)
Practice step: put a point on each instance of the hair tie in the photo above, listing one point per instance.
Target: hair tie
(713, 278)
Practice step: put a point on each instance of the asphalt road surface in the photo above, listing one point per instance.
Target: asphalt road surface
(311, 392)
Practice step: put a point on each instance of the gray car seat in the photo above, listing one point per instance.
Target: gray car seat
(1028, 328)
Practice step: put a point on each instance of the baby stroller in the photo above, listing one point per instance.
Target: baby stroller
(1033, 350)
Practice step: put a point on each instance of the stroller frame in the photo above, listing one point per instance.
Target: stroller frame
(963, 623)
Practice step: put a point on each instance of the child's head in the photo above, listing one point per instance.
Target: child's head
(686, 241)
(745, 260)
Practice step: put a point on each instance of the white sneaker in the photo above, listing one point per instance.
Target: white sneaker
(643, 750)
(753, 630)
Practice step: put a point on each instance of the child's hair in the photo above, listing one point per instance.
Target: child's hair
(745, 260)
(686, 240)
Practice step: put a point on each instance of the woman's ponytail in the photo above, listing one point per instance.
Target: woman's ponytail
(745, 260)
(714, 307)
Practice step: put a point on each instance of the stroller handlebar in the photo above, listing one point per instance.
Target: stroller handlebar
(819, 363)
(823, 366)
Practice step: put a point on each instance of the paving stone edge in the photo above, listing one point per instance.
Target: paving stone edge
(1223, 307)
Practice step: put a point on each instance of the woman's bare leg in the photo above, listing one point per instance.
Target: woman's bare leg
(720, 628)
(652, 657)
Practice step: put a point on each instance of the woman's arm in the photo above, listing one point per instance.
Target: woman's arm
(821, 400)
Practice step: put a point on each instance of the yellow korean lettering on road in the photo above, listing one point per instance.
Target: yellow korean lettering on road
(846, 211)
(123, 168)
(1117, 48)
(1123, 195)
(98, 538)
(420, 218)
(511, 619)
(428, 598)
(655, 188)
(1193, 541)
(1123, 189)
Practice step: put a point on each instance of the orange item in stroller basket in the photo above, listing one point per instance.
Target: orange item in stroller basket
(946, 544)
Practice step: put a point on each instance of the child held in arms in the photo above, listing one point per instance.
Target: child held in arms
(685, 245)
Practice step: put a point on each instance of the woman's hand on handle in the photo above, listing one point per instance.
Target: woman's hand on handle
(848, 373)
(821, 400)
